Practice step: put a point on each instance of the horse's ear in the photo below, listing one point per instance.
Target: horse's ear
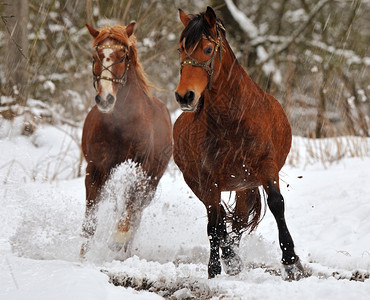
(130, 28)
(211, 17)
(94, 33)
(184, 17)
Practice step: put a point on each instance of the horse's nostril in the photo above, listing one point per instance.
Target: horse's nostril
(97, 99)
(178, 97)
(110, 99)
(189, 97)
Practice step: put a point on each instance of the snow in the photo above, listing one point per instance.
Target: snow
(327, 211)
(49, 85)
(348, 55)
(245, 23)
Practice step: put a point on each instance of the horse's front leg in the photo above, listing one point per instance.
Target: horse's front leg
(208, 192)
(215, 235)
(210, 195)
(231, 261)
(140, 197)
(290, 260)
(124, 232)
(93, 182)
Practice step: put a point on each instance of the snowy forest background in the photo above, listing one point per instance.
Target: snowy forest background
(311, 55)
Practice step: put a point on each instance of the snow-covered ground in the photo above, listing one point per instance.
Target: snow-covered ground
(41, 211)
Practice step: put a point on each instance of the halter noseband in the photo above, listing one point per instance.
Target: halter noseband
(121, 80)
(208, 65)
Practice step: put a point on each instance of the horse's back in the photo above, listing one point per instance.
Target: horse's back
(270, 122)
(280, 132)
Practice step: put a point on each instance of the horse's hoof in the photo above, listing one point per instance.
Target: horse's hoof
(232, 265)
(83, 250)
(214, 269)
(121, 240)
(122, 237)
(294, 271)
(115, 247)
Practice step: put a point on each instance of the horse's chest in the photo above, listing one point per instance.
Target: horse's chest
(226, 154)
(230, 159)
(108, 147)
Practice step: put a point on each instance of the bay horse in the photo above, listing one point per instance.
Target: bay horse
(231, 136)
(127, 123)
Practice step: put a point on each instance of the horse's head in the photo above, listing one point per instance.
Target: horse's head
(199, 46)
(110, 63)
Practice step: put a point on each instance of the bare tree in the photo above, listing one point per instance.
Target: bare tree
(326, 41)
(15, 21)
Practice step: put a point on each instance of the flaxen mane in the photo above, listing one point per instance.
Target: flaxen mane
(118, 33)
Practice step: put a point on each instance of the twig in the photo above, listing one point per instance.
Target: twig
(4, 19)
(11, 273)
(297, 33)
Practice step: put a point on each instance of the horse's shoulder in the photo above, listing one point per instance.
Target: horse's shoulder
(158, 102)
(91, 115)
(184, 120)
(159, 106)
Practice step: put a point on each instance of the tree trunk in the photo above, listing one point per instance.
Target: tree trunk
(16, 20)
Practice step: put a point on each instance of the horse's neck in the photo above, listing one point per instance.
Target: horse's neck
(228, 93)
(234, 90)
(131, 98)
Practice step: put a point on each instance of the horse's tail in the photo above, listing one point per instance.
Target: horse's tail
(247, 212)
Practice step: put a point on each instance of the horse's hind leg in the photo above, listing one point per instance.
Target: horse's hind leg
(246, 213)
(231, 261)
(290, 260)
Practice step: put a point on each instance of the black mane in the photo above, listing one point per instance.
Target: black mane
(195, 30)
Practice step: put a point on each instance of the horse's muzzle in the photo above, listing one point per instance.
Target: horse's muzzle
(105, 105)
(186, 102)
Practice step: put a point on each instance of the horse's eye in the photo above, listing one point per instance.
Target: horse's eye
(122, 59)
(179, 50)
(208, 50)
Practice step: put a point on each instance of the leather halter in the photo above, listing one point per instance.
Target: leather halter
(121, 80)
(208, 65)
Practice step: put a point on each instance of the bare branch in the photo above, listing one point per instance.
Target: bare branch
(5, 21)
(297, 33)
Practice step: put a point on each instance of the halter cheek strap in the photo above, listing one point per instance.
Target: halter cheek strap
(122, 81)
(208, 65)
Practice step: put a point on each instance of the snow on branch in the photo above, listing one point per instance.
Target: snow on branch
(247, 26)
(297, 32)
(265, 39)
(350, 56)
(244, 22)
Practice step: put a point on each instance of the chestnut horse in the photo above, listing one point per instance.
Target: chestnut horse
(126, 123)
(232, 136)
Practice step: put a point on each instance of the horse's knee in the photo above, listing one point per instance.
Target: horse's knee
(275, 202)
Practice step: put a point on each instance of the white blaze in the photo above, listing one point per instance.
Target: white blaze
(107, 86)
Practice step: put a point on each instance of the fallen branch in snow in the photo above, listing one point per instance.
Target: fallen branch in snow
(177, 286)
(170, 288)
